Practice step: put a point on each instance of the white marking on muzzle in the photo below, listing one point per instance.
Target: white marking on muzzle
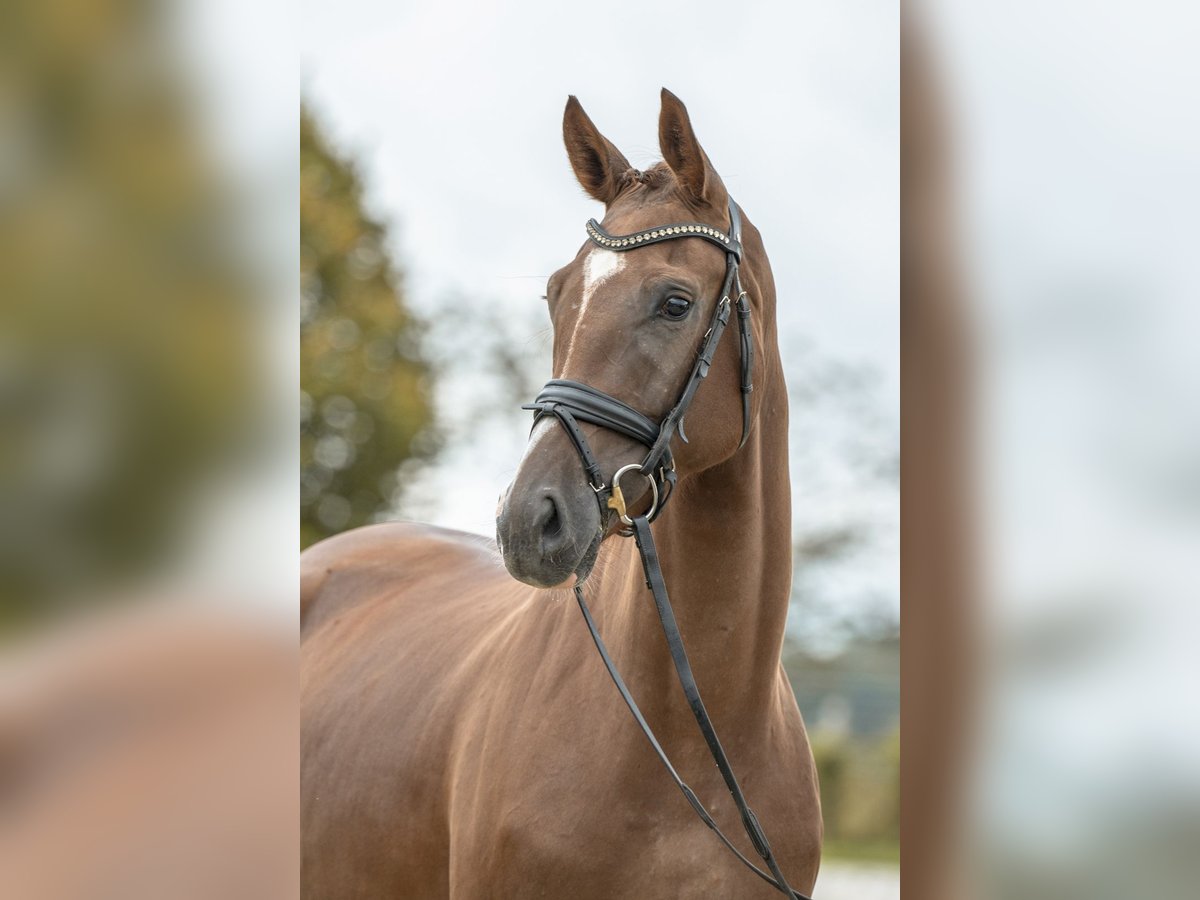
(598, 266)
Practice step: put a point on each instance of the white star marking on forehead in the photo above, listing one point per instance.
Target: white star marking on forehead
(598, 266)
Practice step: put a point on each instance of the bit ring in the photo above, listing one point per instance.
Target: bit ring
(618, 498)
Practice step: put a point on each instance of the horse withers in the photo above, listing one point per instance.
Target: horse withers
(460, 737)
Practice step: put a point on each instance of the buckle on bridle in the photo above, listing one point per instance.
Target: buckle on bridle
(616, 500)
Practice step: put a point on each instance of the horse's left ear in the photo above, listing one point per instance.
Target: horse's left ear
(599, 166)
(686, 158)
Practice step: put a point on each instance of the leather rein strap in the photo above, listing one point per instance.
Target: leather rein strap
(571, 402)
(683, 670)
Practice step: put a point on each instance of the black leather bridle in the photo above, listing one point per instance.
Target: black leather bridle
(571, 402)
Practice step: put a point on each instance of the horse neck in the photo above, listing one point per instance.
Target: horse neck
(724, 543)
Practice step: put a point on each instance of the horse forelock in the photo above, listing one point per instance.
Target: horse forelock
(646, 187)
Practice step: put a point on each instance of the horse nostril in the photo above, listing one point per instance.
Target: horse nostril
(553, 530)
(552, 524)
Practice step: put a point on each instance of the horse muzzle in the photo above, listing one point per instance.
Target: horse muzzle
(547, 533)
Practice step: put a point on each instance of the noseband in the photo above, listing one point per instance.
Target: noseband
(572, 402)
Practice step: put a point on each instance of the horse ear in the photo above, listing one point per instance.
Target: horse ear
(598, 165)
(685, 156)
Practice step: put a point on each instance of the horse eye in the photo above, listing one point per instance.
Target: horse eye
(676, 307)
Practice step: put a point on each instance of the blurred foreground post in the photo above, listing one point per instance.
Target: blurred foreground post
(935, 581)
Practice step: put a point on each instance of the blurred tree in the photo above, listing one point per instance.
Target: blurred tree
(129, 307)
(365, 385)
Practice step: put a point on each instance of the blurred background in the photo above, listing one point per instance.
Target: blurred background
(141, 358)
(147, 457)
(1049, 255)
(436, 199)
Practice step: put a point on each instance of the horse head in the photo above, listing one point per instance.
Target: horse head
(631, 326)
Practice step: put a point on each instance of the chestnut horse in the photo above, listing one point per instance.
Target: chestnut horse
(460, 736)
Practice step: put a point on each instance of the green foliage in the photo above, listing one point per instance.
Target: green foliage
(851, 706)
(860, 793)
(365, 388)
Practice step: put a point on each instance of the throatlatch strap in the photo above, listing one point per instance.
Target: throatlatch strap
(683, 668)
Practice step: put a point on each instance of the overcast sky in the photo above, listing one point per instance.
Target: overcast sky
(454, 112)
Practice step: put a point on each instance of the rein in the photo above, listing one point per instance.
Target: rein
(571, 402)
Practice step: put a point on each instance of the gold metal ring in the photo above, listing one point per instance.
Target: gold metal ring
(617, 500)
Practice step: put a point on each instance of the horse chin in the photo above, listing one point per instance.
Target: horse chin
(557, 574)
(588, 561)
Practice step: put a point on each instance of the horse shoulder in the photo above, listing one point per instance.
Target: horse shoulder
(387, 628)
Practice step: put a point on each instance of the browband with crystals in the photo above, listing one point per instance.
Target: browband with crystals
(598, 235)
